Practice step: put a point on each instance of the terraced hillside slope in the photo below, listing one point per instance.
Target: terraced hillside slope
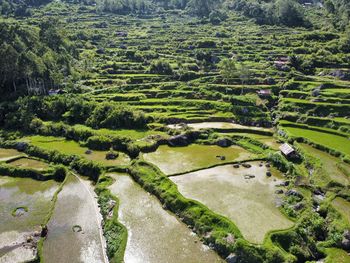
(217, 130)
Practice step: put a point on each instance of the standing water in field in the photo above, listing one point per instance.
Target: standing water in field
(74, 229)
(154, 235)
(24, 206)
(172, 160)
(245, 195)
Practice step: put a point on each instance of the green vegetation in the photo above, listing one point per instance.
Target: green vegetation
(114, 85)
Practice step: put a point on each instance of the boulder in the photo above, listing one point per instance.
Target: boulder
(44, 231)
(111, 156)
(345, 244)
(293, 192)
(221, 157)
(21, 146)
(178, 140)
(224, 142)
(268, 174)
(88, 152)
(279, 191)
(246, 165)
(236, 165)
(298, 206)
(232, 258)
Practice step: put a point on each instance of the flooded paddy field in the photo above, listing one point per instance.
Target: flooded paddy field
(24, 206)
(173, 160)
(215, 125)
(245, 195)
(332, 166)
(75, 226)
(6, 154)
(30, 163)
(71, 147)
(155, 235)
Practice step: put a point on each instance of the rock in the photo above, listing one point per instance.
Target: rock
(221, 157)
(230, 239)
(345, 244)
(36, 234)
(224, 142)
(111, 156)
(268, 174)
(21, 146)
(298, 206)
(29, 239)
(285, 183)
(232, 258)
(347, 234)
(268, 165)
(293, 192)
(249, 176)
(44, 231)
(279, 191)
(88, 152)
(178, 140)
(236, 165)
(246, 165)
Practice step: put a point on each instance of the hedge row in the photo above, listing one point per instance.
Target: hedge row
(57, 173)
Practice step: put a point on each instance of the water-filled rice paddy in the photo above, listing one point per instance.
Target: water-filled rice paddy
(250, 203)
(155, 235)
(35, 198)
(173, 160)
(75, 207)
(71, 147)
(30, 163)
(215, 125)
(6, 154)
(331, 166)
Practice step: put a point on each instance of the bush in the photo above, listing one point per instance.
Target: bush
(161, 67)
(101, 143)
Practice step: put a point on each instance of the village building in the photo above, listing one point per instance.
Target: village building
(287, 150)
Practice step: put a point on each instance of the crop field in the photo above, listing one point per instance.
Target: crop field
(148, 131)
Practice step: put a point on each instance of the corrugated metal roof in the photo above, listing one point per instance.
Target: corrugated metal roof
(286, 149)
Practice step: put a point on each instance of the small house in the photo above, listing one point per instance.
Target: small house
(264, 92)
(287, 150)
(53, 92)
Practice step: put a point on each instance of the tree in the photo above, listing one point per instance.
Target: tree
(289, 13)
(228, 69)
(244, 74)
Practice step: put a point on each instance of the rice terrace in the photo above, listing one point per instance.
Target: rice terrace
(175, 131)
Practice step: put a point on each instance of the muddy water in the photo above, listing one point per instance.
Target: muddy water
(30, 163)
(74, 207)
(71, 147)
(173, 160)
(6, 154)
(22, 192)
(154, 235)
(250, 203)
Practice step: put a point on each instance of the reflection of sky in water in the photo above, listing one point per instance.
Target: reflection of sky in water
(154, 235)
(74, 207)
